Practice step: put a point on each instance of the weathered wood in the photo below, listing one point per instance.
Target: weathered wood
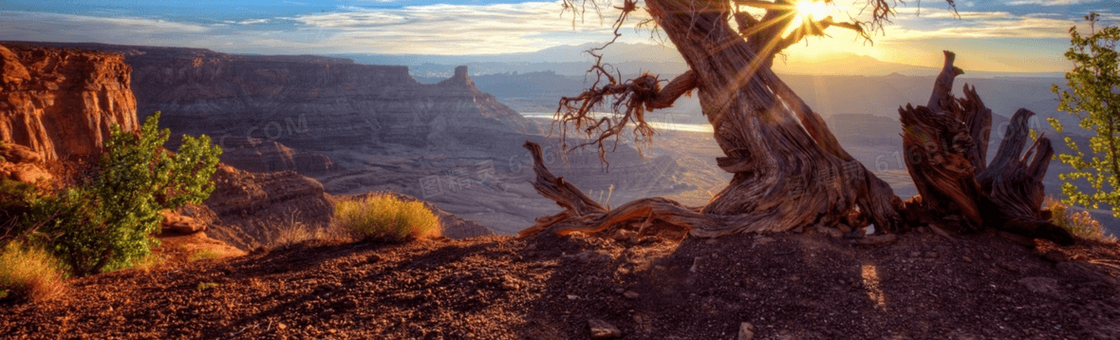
(789, 169)
(582, 214)
(946, 147)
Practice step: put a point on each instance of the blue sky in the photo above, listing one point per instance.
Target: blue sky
(1011, 35)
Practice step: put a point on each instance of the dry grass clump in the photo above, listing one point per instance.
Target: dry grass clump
(294, 230)
(385, 217)
(204, 254)
(299, 232)
(29, 273)
(1080, 224)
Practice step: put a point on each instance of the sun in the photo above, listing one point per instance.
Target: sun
(812, 9)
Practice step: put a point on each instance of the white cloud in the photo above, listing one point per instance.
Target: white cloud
(455, 29)
(966, 15)
(13, 20)
(980, 25)
(1050, 2)
(253, 21)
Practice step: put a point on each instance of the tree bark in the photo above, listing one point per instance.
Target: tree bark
(946, 150)
(789, 170)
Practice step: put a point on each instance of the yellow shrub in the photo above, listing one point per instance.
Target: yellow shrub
(1080, 224)
(385, 217)
(204, 254)
(27, 272)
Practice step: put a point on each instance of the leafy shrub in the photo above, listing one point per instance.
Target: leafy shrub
(107, 222)
(28, 272)
(1080, 224)
(385, 217)
(206, 285)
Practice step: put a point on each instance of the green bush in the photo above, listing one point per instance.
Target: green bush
(1080, 224)
(28, 272)
(385, 217)
(107, 223)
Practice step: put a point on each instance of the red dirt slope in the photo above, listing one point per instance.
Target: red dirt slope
(788, 286)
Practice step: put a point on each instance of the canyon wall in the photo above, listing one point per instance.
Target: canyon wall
(310, 103)
(61, 102)
(359, 128)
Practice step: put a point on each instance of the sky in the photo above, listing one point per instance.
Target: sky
(988, 35)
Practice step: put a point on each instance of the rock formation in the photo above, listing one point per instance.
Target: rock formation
(19, 163)
(57, 103)
(259, 155)
(358, 128)
(254, 207)
(61, 102)
(307, 102)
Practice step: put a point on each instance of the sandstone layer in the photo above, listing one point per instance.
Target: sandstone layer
(309, 103)
(260, 155)
(447, 143)
(61, 102)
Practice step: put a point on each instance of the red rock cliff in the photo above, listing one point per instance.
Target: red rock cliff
(61, 102)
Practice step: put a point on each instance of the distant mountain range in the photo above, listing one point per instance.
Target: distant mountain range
(633, 58)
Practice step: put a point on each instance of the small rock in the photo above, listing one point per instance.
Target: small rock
(746, 331)
(986, 256)
(20, 154)
(29, 173)
(281, 326)
(1054, 256)
(940, 232)
(1008, 267)
(619, 290)
(854, 234)
(624, 235)
(510, 284)
(602, 330)
(175, 223)
(931, 254)
(695, 264)
(966, 259)
(630, 295)
(915, 253)
(572, 297)
(877, 239)
(834, 233)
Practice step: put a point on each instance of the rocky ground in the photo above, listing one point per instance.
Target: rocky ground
(789, 286)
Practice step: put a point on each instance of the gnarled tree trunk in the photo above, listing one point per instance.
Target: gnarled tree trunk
(789, 170)
(946, 145)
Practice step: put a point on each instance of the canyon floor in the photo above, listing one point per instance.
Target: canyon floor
(785, 286)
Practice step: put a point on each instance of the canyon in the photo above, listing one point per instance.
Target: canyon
(358, 128)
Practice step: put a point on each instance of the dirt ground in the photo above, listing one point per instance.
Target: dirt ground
(787, 286)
